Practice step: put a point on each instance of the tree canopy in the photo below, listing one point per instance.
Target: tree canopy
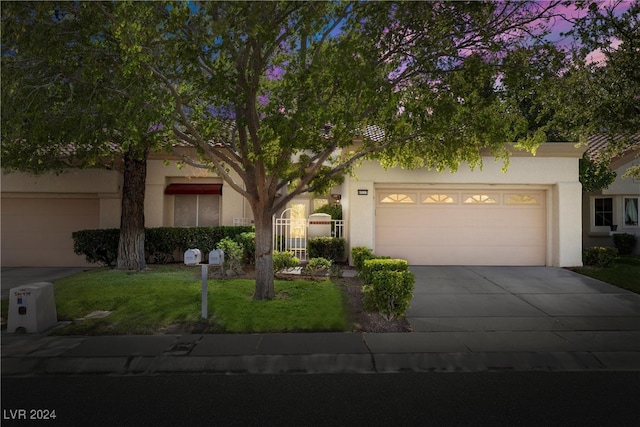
(283, 98)
(602, 95)
(74, 95)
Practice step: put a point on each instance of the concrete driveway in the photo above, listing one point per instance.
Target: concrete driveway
(19, 276)
(456, 298)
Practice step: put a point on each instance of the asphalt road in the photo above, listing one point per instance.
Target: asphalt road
(407, 399)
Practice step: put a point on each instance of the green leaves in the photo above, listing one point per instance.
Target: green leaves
(595, 175)
(80, 92)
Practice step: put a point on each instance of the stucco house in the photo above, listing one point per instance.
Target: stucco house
(615, 207)
(527, 216)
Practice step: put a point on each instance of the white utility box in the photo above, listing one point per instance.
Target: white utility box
(192, 256)
(216, 257)
(32, 308)
(319, 225)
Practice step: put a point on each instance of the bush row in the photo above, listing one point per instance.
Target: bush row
(388, 283)
(101, 246)
(331, 248)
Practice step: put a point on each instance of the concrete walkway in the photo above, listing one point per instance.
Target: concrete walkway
(464, 319)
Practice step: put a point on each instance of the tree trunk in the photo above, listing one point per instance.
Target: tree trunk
(264, 256)
(131, 244)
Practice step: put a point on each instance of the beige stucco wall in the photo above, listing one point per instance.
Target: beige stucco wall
(40, 212)
(159, 208)
(92, 181)
(627, 186)
(558, 175)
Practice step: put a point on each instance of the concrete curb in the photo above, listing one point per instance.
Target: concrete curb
(297, 353)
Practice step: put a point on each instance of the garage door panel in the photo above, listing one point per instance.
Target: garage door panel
(501, 233)
(450, 255)
(37, 232)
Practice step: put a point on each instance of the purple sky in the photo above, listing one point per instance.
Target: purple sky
(563, 23)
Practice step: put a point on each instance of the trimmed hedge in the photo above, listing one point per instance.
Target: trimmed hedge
(381, 264)
(98, 246)
(625, 243)
(360, 254)
(326, 247)
(389, 293)
(599, 256)
(101, 246)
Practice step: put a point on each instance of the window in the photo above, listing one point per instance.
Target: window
(631, 211)
(480, 199)
(196, 210)
(397, 198)
(603, 210)
(438, 199)
(521, 199)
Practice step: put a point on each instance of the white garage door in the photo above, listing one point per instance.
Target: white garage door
(457, 227)
(37, 232)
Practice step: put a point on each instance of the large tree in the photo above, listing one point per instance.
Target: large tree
(74, 95)
(283, 98)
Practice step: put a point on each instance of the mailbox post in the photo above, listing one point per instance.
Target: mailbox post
(194, 257)
(205, 292)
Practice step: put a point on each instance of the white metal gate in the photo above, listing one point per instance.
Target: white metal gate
(290, 234)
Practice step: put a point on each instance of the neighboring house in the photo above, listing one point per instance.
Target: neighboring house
(615, 207)
(39, 213)
(526, 216)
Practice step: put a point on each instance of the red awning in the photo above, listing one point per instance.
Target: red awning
(193, 189)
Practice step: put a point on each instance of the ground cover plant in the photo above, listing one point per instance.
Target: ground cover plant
(160, 299)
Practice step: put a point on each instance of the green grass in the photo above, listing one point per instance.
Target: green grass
(146, 302)
(624, 274)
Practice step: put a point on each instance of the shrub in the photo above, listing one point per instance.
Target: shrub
(284, 260)
(101, 245)
(161, 243)
(316, 264)
(233, 253)
(360, 254)
(334, 210)
(248, 242)
(625, 243)
(389, 293)
(97, 246)
(599, 256)
(381, 264)
(326, 247)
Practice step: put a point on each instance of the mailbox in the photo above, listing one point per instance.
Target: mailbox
(192, 256)
(32, 308)
(216, 257)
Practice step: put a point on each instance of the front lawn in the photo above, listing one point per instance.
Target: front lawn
(168, 298)
(624, 274)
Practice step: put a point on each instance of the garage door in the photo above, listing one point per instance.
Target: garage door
(37, 232)
(445, 227)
